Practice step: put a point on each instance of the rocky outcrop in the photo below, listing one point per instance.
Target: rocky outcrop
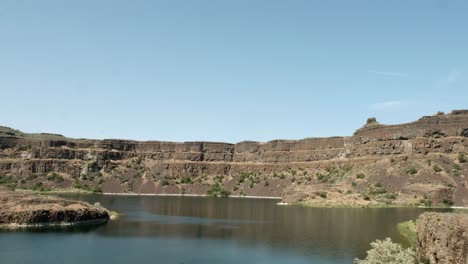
(396, 156)
(442, 238)
(26, 210)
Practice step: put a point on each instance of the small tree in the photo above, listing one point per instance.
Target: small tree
(387, 252)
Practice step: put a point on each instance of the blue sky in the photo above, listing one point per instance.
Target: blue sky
(228, 70)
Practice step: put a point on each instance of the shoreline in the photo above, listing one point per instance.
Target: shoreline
(13, 226)
(78, 191)
(191, 195)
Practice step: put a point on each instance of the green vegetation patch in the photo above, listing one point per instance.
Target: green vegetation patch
(360, 176)
(55, 177)
(462, 158)
(411, 170)
(408, 231)
(333, 174)
(436, 168)
(186, 180)
(216, 190)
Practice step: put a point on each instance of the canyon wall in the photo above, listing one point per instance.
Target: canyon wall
(383, 153)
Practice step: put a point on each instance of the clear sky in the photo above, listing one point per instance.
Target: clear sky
(228, 70)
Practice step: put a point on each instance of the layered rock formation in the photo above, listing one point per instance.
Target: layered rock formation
(443, 238)
(419, 162)
(25, 210)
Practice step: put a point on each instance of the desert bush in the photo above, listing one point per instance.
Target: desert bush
(388, 252)
(425, 201)
(216, 190)
(186, 180)
(411, 170)
(462, 158)
(448, 201)
(360, 176)
(436, 168)
(164, 182)
(323, 194)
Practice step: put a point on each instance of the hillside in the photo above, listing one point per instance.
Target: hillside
(422, 162)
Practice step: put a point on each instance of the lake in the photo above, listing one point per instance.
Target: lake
(194, 230)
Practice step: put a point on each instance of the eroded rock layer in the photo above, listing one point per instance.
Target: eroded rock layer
(418, 162)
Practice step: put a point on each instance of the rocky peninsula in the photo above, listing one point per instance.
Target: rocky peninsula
(422, 163)
(20, 210)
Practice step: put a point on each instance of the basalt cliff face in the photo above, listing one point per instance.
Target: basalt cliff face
(422, 162)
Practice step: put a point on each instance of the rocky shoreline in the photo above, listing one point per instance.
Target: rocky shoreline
(25, 210)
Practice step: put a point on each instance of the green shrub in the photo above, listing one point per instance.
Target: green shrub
(5, 179)
(436, 168)
(377, 191)
(429, 162)
(320, 176)
(447, 202)
(251, 184)
(456, 167)
(55, 177)
(411, 170)
(353, 184)
(164, 182)
(425, 201)
(138, 160)
(366, 197)
(349, 192)
(243, 177)
(186, 180)
(388, 252)
(462, 158)
(360, 176)
(378, 185)
(217, 191)
(323, 194)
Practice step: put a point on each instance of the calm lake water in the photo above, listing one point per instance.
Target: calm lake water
(208, 230)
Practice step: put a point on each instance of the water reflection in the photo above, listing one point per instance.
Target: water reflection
(330, 231)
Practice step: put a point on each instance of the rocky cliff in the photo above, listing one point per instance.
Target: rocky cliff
(419, 162)
(443, 238)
